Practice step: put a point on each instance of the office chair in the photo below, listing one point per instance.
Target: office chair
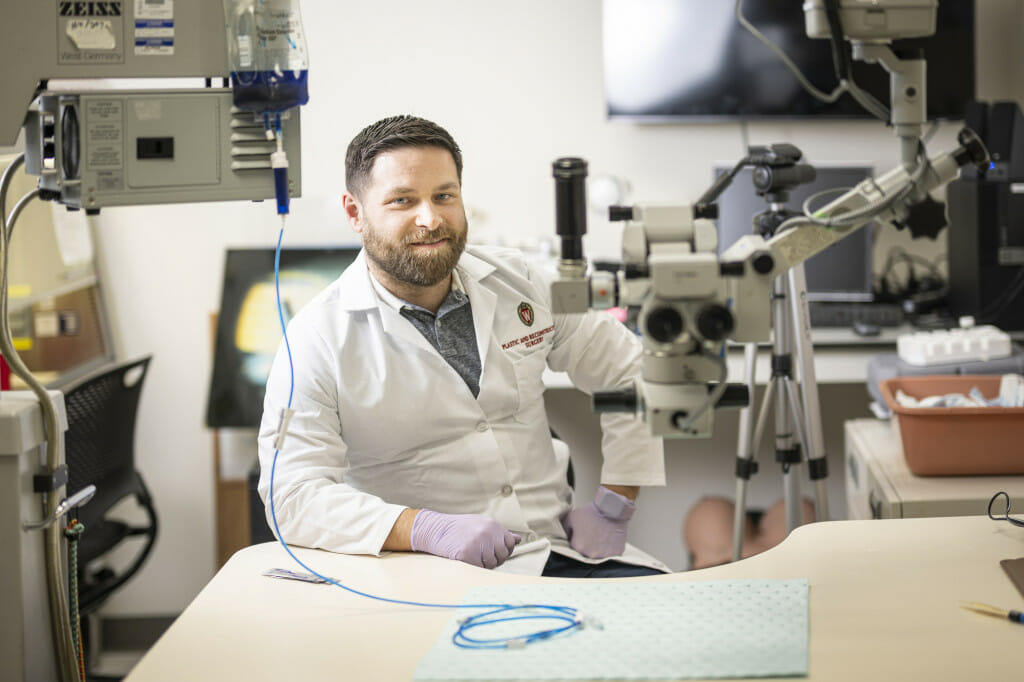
(100, 450)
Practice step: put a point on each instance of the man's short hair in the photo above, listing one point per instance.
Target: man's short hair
(394, 132)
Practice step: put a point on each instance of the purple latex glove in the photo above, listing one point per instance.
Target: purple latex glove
(475, 539)
(598, 530)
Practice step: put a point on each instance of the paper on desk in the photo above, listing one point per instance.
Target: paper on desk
(652, 631)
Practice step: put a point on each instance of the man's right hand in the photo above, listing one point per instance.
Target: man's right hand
(472, 538)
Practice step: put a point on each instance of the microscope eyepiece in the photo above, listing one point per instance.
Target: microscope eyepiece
(715, 322)
(664, 324)
(620, 213)
(570, 175)
(569, 167)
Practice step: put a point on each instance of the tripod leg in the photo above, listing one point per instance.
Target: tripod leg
(745, 464)
(762, 414)
(791, 473)
(787, 448)
(787, 442)
(814, 440)
(740, 513)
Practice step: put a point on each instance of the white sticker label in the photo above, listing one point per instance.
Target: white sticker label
(148, 109)
(91, 34)
(110, 181)
(47, 325)
(104, 131)
(154, 46)
(154, 37)
(154, 27)
(244, 51)
(154, 9)
(149, 30)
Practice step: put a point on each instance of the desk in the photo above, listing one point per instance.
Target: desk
(883, 606)
(879, 485)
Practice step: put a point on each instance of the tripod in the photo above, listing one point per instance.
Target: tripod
(797, 421)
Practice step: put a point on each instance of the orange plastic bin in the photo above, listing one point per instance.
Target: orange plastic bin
(957, 441)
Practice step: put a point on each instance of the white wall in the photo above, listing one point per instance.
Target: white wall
(518, 84)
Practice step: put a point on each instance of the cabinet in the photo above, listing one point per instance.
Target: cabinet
(880, 486)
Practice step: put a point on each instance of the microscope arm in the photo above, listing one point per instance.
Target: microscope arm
(887, 198)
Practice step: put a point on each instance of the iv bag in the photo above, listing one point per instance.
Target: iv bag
(267, 54)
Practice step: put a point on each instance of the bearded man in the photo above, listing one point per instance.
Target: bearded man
(415, 391)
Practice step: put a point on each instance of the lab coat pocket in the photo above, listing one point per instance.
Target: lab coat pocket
(529, 372)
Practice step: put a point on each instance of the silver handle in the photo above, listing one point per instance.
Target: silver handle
(76, 500)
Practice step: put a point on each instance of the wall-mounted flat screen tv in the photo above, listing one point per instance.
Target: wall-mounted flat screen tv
(673, 60)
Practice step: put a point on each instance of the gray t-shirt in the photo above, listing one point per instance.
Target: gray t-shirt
(451, 333)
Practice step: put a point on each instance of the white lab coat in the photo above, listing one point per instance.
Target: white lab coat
(382, 422)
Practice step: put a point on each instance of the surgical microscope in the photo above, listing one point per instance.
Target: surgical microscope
(692, 302)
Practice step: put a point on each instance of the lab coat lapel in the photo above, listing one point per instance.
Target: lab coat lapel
(396, 325)
(358, 293)
(483, 300)
(498, 390)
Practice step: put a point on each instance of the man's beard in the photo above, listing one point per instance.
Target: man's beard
(412, 266)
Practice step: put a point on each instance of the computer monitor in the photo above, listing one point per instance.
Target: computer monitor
(843, 271)
(248, 328)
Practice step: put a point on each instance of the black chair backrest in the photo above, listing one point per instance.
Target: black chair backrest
(100, 440)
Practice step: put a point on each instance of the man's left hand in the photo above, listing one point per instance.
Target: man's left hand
(598, 530)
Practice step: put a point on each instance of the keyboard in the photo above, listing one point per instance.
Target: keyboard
(845, 314)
